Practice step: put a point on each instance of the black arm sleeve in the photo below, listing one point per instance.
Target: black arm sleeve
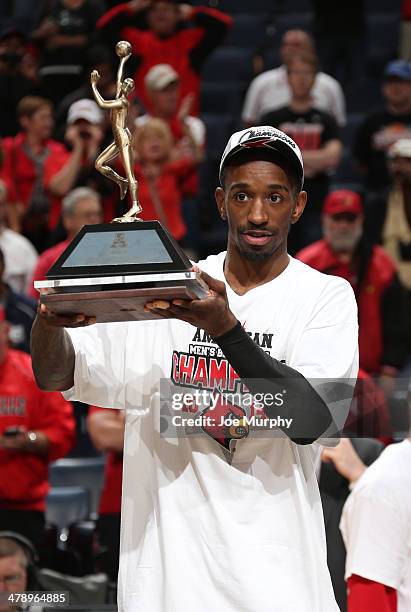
(264, 375)
(214, 32)
(396, 324)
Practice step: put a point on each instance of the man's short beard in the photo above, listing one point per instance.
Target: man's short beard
(248, 253)
(346, 243)
(256, 255)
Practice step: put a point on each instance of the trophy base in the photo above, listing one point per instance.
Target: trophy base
(115, 302)
(110, 271)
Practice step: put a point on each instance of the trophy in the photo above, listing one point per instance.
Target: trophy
(110, 271)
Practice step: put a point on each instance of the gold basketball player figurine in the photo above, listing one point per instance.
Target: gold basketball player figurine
(122, 137)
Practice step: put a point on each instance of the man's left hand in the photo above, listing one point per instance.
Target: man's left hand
(212, 313)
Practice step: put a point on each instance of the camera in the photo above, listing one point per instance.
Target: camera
(84, 134)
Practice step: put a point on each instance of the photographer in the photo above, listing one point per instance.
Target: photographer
(84, 135)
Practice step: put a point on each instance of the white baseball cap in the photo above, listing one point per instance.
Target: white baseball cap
(265, 137)
(84, 109)
(401, 148)
(160, 76)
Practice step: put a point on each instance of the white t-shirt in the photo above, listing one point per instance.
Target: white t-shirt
(376, 523)
(20, 259)
(201, 532)
(270, 90)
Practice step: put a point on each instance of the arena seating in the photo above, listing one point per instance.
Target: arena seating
(246, 31)
(228, 64)
(85, 472)
(67, 505)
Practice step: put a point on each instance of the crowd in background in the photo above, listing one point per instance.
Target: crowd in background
(201, 71)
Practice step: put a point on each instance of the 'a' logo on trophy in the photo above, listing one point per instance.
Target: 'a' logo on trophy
(119, 241)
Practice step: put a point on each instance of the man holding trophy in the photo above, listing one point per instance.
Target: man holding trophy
(222, 517)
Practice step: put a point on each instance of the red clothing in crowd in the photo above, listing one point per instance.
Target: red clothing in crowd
(381, 272)
(19, 173)
(168, 186)
(191, 183)
(406, 10)
(23, 475)
(369, 414)
(44, 263)
(110, 500)
(366, 595)
(198, 132)
(185, 51)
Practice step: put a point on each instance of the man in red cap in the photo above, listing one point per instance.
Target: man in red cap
(345, 251)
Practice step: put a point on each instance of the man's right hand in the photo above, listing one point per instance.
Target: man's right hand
(67, 320)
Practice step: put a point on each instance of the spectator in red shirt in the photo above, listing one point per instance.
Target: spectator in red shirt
(167, 40)
(159, 177)
(86, 117)
(27, 159)
(106, 429)
(382, 300)
(80, 207)
(84, 134)
(35, 428)
(162, 85)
